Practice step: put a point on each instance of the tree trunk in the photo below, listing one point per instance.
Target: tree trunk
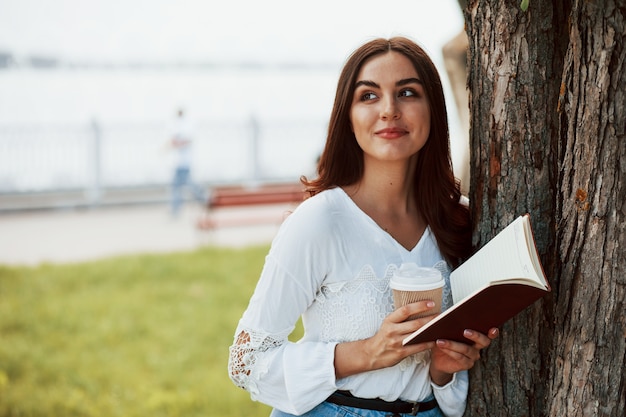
(588, 375)
(547, 100)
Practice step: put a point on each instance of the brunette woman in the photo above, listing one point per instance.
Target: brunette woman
(385, 195)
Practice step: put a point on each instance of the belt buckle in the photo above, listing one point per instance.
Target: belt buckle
(415, 409)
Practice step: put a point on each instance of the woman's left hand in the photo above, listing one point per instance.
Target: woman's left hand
(449, 357)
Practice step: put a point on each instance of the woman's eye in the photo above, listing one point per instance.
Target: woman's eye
(368, 96)
(408, 93)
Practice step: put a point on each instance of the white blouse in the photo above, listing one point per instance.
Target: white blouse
(330, 263)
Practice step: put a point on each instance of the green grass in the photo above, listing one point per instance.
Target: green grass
(130, 336)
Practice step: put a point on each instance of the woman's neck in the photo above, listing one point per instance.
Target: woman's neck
(387, 197)
(385, 188)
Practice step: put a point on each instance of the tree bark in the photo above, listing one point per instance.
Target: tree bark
(547, 99)
(588, 376)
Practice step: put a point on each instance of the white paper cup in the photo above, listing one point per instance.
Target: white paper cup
(411, 283)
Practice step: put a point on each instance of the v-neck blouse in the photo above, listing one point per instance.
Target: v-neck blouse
(367, 218)
(330, 264)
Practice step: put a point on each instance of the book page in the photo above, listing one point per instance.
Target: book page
(534, 254)
(504, 257)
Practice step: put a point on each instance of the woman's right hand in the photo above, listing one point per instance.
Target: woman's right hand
(385, 348)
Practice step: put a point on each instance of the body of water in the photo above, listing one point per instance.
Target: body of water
(68, 127)
(247, 123)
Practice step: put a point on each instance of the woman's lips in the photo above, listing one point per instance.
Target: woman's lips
(391, 133)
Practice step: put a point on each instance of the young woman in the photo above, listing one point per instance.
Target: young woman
(385, 195)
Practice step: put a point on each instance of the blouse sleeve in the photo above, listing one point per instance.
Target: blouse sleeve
(452, 397)
(292, 377)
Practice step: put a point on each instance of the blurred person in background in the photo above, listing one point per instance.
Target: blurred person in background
(385, 194)
(181, 142)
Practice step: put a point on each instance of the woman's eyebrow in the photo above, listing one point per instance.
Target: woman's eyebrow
(366, 83)
(409, 81)
(400, 83)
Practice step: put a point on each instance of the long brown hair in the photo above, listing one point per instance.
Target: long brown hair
(437, 191)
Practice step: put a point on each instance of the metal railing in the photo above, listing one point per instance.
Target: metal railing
(94, 160)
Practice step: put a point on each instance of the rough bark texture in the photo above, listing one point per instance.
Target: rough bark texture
(588, 377)
(547, 99)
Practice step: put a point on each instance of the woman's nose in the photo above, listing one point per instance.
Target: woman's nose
(389, 109)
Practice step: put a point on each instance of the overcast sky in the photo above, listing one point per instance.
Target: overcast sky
(229, 30)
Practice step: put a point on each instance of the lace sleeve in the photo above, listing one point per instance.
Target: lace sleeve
(246, 353)
(292, 377)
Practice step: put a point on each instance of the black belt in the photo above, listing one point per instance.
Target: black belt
(396, 407)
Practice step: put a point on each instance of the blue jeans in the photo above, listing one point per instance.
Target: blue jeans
(327, 409)
(182, 179)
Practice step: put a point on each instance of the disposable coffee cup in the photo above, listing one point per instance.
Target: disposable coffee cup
(411, 283)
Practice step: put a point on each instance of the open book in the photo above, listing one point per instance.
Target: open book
(503, 278)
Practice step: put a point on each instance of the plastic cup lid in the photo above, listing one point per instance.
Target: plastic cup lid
(410, 277)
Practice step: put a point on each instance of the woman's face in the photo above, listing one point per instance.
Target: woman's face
(390, 113)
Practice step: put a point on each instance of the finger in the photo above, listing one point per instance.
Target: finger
(407, 327)
(480, 340)
(419, 347)
(459, 351)
(404, 312)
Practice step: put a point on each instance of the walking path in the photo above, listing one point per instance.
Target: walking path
(31, 238)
